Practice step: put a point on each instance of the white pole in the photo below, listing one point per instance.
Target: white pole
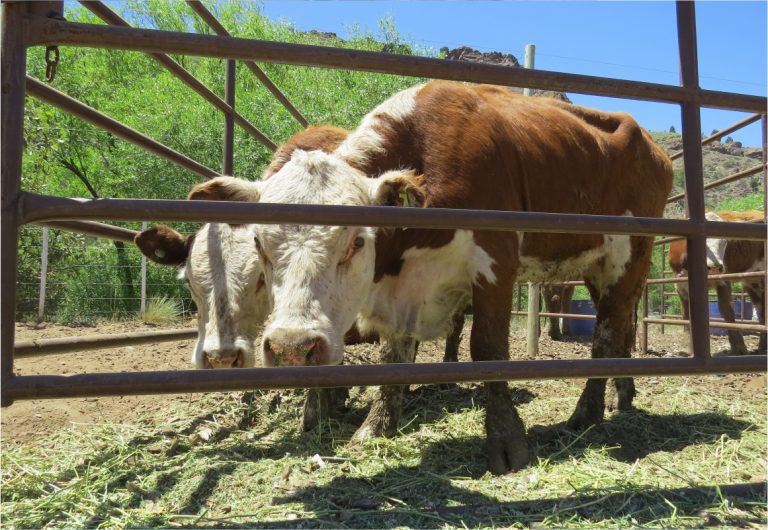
(43, 276)
(534, 290)
(143, 278)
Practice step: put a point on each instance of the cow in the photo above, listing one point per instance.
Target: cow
(452, 145)
(557, 299)
(727, 256)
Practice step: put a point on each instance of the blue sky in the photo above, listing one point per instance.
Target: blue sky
(628, 40)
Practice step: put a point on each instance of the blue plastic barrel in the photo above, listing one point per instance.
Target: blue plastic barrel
(714, 312)
(582, 328)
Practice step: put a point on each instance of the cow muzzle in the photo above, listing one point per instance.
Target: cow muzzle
(295, 348)
(224, 358)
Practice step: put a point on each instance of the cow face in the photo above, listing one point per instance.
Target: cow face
(715, 248)
(317, 277)
(226, 278)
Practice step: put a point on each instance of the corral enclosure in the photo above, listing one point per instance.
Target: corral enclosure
(737, 433)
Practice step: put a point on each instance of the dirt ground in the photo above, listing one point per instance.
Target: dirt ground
(25, 421)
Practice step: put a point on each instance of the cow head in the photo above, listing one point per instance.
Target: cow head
(715, 248)
(226, 279)
(318, 277)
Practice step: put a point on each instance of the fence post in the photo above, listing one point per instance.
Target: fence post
(43, 276)
(643, 323)
(229, 120)
(143, 309)
(534, 299)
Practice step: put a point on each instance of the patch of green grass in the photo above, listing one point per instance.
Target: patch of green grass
(243, 463)
(162, 310)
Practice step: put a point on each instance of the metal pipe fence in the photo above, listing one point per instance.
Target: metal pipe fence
(23, 27)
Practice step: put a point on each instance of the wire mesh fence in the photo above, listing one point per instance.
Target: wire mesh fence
(89, 279)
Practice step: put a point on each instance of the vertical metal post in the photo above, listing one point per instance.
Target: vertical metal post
(143, 309)
(12, 71)
(43, 276)
(694, 180)
(663, 309)
(229, 120)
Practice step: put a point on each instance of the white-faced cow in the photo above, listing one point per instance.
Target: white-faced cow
(451, 145)
(729, 257)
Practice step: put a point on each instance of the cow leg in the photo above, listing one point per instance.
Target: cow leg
(725, 304)
(613, 336)
(385, 412)
(454, 338)
(756, 293)
(506, 442)
(321, 404)
(553, 302)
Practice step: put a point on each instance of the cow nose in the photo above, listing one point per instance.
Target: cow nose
(228, 357)
(291, 349)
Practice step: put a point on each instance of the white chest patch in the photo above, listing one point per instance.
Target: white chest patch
(433, 284)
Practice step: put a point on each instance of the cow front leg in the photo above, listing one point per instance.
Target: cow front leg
(383, 418)
(725, 305)
(506, 442)
(453, 339)
(321, 404)
(756, 292)
(553, 303)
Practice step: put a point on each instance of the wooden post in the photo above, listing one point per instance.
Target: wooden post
(143, 309)
(43, 276)
(534, 301)
(530, 52)
(663, 287)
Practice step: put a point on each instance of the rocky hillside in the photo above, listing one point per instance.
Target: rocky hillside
(721, 159)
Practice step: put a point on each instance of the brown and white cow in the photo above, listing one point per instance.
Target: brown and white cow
(729, 257)
(451, 145)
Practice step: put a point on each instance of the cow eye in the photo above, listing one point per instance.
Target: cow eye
(356, 245)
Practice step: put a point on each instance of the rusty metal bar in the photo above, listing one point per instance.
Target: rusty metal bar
(662, 241)
(34, 348)
(694, 179)
(229, 124)
(643, 324)
(71, 105)
(725, 180)
(37, 208)
(720, 134)
(712, 324)
(93, 228)
(734, 276)
(45, 31)
(216, 26)
(110, 17)
(13, 64)
(170, 382)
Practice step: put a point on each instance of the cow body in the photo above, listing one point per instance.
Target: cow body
(727, 257)
(449, 145)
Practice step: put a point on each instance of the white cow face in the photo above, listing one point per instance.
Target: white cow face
(226, 278)
(317, 277)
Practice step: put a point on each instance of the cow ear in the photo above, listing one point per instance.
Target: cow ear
(163, 245)
(226, 189)
(399, 188)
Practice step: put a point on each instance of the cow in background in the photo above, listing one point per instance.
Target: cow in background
(451, 145)
(727, 256)
(557, 299)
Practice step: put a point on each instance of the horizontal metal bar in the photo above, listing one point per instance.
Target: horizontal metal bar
(75, 107)
(720, 134)
(734, 276)
(571, 316)
(712, 324)
(216, 26)
(33, 348)
(665, 240)
(93, 228)
(725, 180)
(170, 382)
(43, 31)
(43, 207)
(110, 17)
(37, 208)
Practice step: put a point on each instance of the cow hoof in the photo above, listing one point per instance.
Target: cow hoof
(585, 416)
(507, 454)
(739, 351)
